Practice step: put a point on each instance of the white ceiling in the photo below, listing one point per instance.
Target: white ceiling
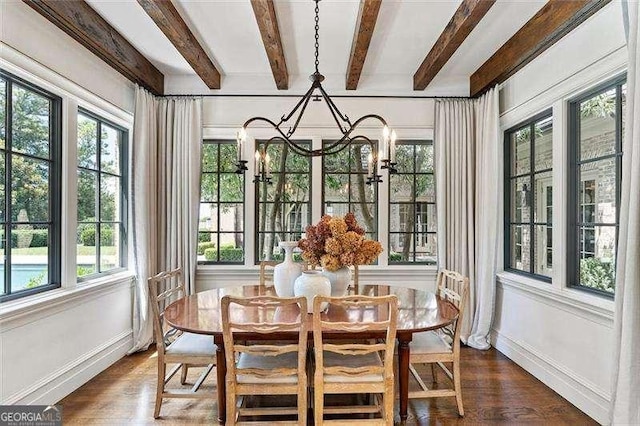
(405, 32)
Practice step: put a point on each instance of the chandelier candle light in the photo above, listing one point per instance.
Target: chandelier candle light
(384, 158)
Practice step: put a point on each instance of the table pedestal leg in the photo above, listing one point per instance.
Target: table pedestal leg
(221, 372)
(403, 374)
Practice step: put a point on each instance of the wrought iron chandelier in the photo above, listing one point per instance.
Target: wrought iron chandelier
(384, 158)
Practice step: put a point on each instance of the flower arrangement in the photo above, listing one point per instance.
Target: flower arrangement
(336, 242)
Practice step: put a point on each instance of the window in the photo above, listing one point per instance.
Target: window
(595, 155)
(30, 181)
(221, 223)
(102, 213)
(529, 197)
(412, 208)
(284, 206)
(345, 190)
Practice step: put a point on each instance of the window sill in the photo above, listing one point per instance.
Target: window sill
(588, 305)
(52, 301)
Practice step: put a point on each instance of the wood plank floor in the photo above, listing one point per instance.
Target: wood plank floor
(495, 391)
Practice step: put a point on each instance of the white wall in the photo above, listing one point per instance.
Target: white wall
(562, 336)
(53, 342)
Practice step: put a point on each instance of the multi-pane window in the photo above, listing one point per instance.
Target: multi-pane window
(221, 223)
(344, 180)
(102, 216)
(412, 208)
(529, 197)
(595, 156)
(284, 206)
(30, 176)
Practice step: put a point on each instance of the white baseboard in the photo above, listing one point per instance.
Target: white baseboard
(592, 400)
(67, 379)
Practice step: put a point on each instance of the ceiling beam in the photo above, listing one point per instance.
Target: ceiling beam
(86, 26)
(367, 17)
(167, 18)
(555, 20)
(467, 16)
(268, 24)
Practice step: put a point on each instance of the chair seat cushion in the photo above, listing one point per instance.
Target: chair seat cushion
(192, 344)
(286, 360)
(332, 359)
(429, 343)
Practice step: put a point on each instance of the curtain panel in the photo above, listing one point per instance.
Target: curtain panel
(167, 140)
(467, 143)
(625, 401)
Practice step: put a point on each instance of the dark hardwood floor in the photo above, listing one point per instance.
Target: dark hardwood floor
(495, 391)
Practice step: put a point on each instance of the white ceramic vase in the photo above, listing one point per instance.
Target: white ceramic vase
(310, 284)
(285, 273)
(339, 280)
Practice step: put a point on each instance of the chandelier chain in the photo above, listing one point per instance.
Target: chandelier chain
(317, 45)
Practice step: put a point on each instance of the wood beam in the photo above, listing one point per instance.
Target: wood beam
(467, 16)
(268, 24)
(167, 18)
(555, 20)
(367, 17)
(86, 26)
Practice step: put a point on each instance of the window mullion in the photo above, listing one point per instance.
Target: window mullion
(8, 186)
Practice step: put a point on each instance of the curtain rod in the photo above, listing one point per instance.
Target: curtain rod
(299, 96)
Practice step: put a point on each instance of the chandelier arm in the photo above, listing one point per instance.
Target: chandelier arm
(307, 95)
(333, 106)
(335, 113)
(282, 135)
(292, 130)
(353, 127)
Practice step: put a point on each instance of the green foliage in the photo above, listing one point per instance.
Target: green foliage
(602, 105)
(88, 237)
(81, 271)
(227, 254)
(395, 257)
(39, 237)
(37, 280)
(204, 237)
(279, 257)
(597, 274)
(204, 246)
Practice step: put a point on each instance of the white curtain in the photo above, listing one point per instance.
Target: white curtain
(625, 404)
(467, 183)
(165, 180)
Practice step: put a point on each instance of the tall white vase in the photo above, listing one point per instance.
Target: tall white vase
(339, 280)
(285, 273)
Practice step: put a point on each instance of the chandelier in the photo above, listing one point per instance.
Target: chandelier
(384, 158)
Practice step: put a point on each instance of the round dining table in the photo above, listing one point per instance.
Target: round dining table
(418, 311)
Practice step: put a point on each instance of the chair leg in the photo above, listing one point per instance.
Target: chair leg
(433, 372)
(302, 408)
(231, 404)
(318, 408)
(183, 374)
(457, 387)
(162, 369)
(388, 400)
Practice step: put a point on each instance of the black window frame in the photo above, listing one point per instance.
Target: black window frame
(508, 177)
(259, 144)
(372, 235)
(124, 179)
(574, 181)
(218, 172)
(55, 187)
(415, 234)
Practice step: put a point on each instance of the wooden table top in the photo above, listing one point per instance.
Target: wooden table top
(200, 313)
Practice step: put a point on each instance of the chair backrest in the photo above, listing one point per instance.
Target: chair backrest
(453, 287)
(264, 315)
(362, 314)
(164, 288)
(356, 279)
(266, 272)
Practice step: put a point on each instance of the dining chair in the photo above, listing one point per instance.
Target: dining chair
(176, 347)
(264, 366)
(443, 345)
(344, 367)
(266, 272)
